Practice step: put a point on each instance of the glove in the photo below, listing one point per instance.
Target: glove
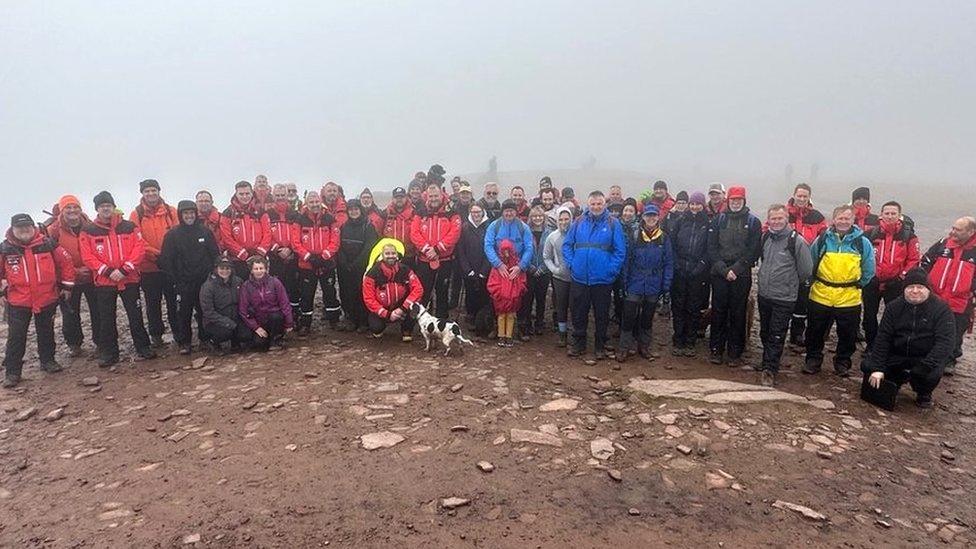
(317, 261)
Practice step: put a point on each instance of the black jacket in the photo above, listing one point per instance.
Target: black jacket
(734, 242)
(356, 238)
(492, 211)
(188, 253)
(689, 238)
(218, 301)
(925, 332)
(471, 249)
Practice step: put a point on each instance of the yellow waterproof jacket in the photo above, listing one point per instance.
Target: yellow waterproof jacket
(842, 266)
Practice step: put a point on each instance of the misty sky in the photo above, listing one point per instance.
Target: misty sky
(100, 95)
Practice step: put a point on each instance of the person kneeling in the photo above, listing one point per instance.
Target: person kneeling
(219, 298)
(914, 341)
(390, 288)
(264, 306)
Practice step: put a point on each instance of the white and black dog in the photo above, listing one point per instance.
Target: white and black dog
(433, 327)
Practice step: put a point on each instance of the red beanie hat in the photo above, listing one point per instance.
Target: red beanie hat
(736, 192)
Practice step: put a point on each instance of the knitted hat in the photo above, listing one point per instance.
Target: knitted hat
(145, 184)
(545, 182)
(568, 192)
(104, 197)
(682, 196)
(399, 192)
(697, 198)
(68, 200)
(917, 276)
(861, 192)
(660, 185)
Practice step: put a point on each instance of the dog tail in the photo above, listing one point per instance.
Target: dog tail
(457, 335)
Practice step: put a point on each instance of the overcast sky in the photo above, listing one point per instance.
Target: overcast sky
(100, 95)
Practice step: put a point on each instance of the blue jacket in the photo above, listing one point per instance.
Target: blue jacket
(650, 265)
(516, 231)
(595, 249)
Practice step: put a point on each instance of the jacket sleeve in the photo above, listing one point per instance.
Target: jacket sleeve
(549, 254)
(569, 244)
(868, 266)
(265, 243)
(416, 290)
(210, 314)
(945, 337)
(445, 248)
(88, 257)
(881, 348)
(913, 254)
(167, 255)
(753, 248)
(228, 240)
(928, 260)
(284, 304)
(332, 249)
(804, 260)
(528, 247)
(138, 251)
(296, 242)
(417, 237)
(244, 310)
(719, 268)
(369, 298)
(619, 253)
(668, 265)
(462, 255)
(66, 267)
(491, 250)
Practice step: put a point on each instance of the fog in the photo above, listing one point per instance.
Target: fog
(100, 95)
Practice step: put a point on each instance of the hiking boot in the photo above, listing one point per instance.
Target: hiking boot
(767, 378)
(157, 341)
(621, 356)
(950, 369)
(574, 352)
(524, 338)
(561, 343)
(276, 346)
(924, 401)
(107, 361)
(600, 355)
(690, 352)
(734, 362)
(185, 349)
(843, 372)
(539, 329)
(51, 367)
(147, 354)
(10, 381)
(74, 351)
(811, 367)
(677, 351)
(715, 357)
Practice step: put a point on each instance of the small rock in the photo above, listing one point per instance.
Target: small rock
(5, 494)
(947, 455)
(601, 448)
(457, 387)
(454, 502)
(534, 437)
(615, 474)
(460, 428)
(715, 481)
(115, 514)
(90, 381)
(191, 538)
(382, 439)
(180, 413)
(673, 431)
(825, 455)
(686, 450)
(486, 466)
(291, 447)
(197, 364)
(633, 511)
(54, 414)
(249, 404)
(883, 523)
(559, 405)
(721, 425)
(667, 419)
(801, 509)
(25, 414)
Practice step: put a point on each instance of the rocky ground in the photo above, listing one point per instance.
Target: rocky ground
(344, 441)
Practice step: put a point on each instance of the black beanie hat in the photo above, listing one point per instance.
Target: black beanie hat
(21, 220)
(861, 192)
(682, 196)
(917, 276)
(545, 181)
(354, 203)
(509, 204)
(145, 184)
(186, 205)
(103, 197)
(660, 185)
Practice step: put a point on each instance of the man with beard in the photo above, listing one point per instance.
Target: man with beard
(399, 219)
(294, 201)
(463, 200)
(281, 257)
(390, 288)
(660, 197)
(262, 192)
(315, 241)
(547, 200)
(155, 217)
(372, 212)
(489, 201)
(716, 200)
(245, 231)
(734, 241)
(544, 183)
(435, 232)
(517, 194)
(208, 215)
(187, 256)
(333, 202)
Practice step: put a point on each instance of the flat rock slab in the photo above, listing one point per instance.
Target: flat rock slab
(535, 437)
(559, 405)
(382, 439)
(713, 391)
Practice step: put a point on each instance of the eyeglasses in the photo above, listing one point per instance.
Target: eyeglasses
(490, 193)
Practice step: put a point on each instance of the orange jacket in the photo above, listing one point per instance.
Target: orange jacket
(153, 224)
(71, 242)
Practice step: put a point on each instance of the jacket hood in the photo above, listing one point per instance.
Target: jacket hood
(506, 252)
(38, 238)
(484, 219)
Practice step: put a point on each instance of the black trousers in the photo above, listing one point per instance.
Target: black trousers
(18, 323)
(275, 326)
(108, 331)
(584, 298)
(311, 280)
(774, 321)
(238, 335)
(377, 325)
(637, 322)
(156, 286)
(871, 296)
(730, 301)
(436, 284)
(819, 320)
(560, 299)
(798, 324)
(962, 326)
(351, 295)
(287, 273)
(900, 369)
(188, 297)
(689, 295)
(534, 298)
(71, 315)
(475, 295)
(457, 284)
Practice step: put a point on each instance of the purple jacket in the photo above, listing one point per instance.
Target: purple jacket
(260, 298)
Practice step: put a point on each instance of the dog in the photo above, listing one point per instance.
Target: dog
(432, 327)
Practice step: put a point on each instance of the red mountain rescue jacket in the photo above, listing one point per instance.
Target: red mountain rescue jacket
(117, 245)
(34, 272)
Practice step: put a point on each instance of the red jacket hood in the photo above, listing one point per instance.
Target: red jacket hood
(38, 238)
(116, 217)
(969, 244)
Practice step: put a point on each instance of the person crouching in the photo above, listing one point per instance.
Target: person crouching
(219, 299)
(264, 306)
(390, 288)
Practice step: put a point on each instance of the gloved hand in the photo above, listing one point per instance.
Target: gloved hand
(317, 261)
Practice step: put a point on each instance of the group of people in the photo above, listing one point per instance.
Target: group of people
(250, 273)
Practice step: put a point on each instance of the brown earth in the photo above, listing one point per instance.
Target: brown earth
(264, 450)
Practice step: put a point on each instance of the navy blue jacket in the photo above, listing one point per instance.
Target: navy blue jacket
(689, 238)
(650, 265)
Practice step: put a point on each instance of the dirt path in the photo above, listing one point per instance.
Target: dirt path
(265, 450)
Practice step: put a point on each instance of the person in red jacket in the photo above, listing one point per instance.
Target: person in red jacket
(262, 192)
(390, 288)
(66, 230)
(245, 230)
(896, 251)
(281, 256)
(716, 200)
(375, 215)
(506, 291)
(208, 214)
(661, 198)
(399, 219)
(35, 273)
(113, 249)
(863, 218)
(315, 240)
(434, 233)
(333, 202)
(521, 205)
(155, 218)
(809, 223)
(951, 264)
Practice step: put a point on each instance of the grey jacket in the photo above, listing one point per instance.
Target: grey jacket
(781, 273)
(552, 255)
(218, 301)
